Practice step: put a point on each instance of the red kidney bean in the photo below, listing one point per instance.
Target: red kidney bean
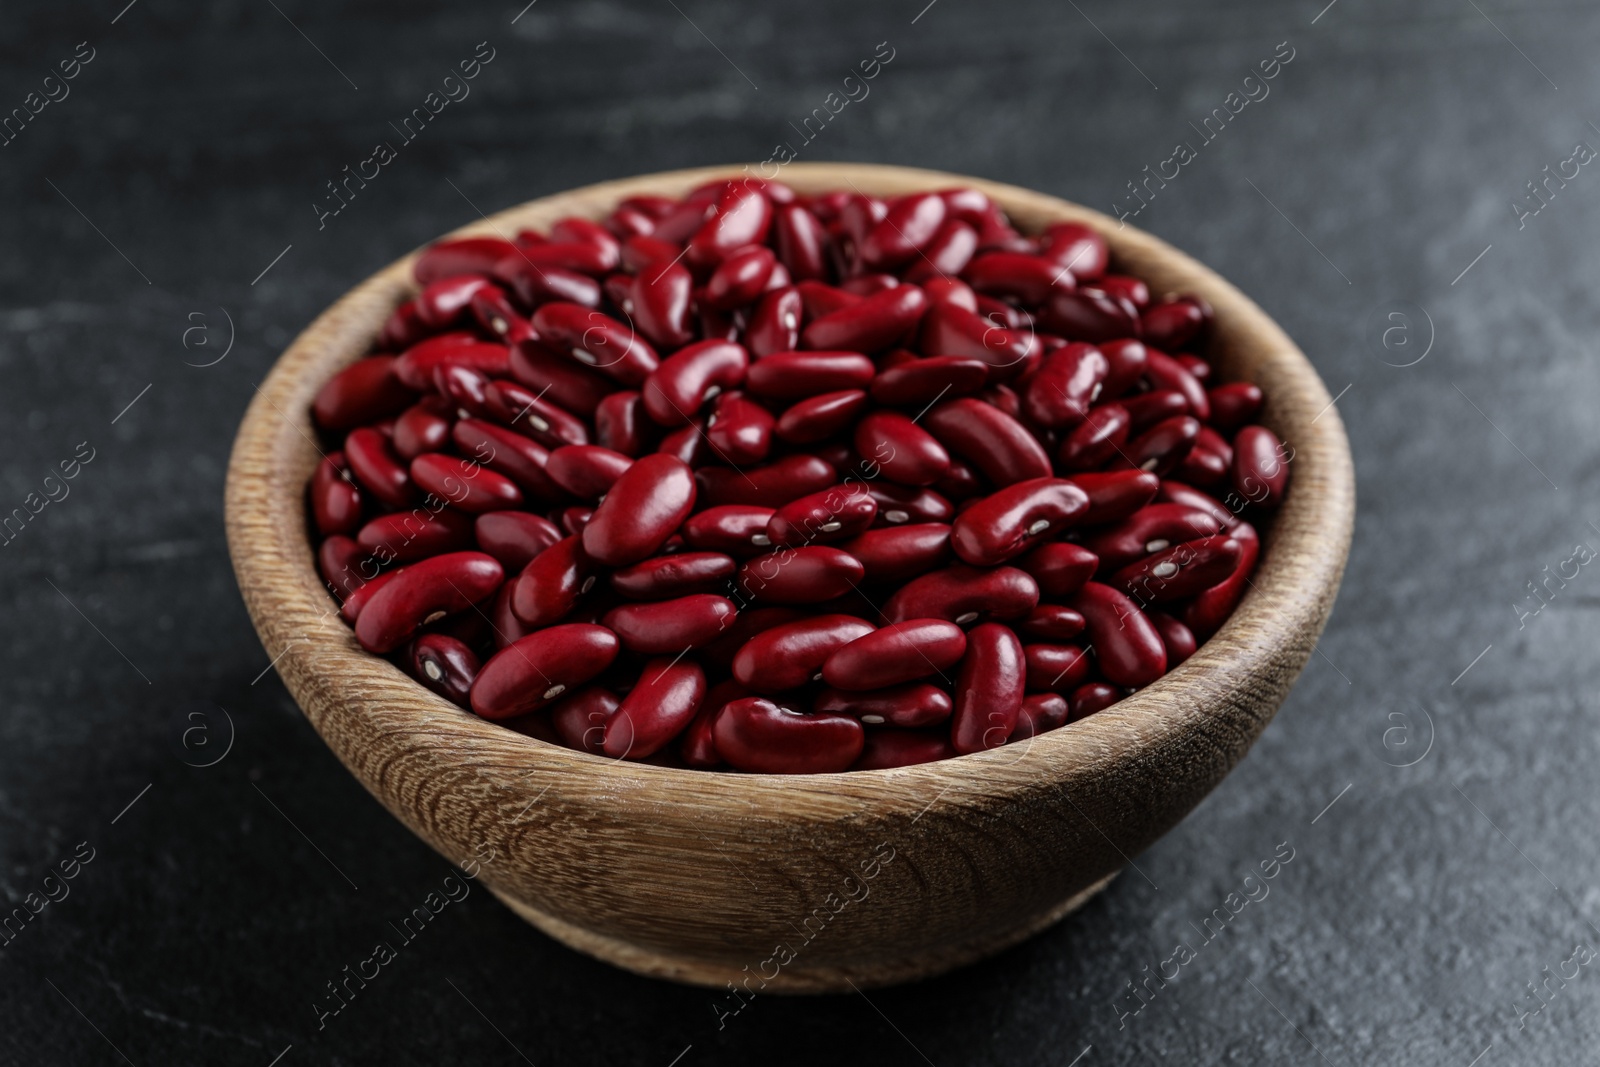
(444, 301)
(740, 278)
(1173, 325)
(656, 710)
(1164, 372)
(407, 536)
(914, 705)
(587, 471)
(509, 453)
(335, 500)
(817, 299)
(373, 462)
(949, 329)
(580, 718)
(1041, 712)
(864, 285)
(820, 417)
(802, 243)
(675, 575)
(358, 588)
(1208, 611)
(465, 483)
(888, 749)
(1114, 495)
(678, 388)
(899, 504)
(739, 431)
(622, 424)
(963, 595)
(1153, 528)
(798, 375)
(503, 622)
(1127, 645)
(968, 205)
(531, 672)
(773, 485)
(572, 520)
(415, 367)
(775, 323)
(463, 255)
(339, 560)
(1146, 409)
(1234, 405)
(923, 381)
(1208, 462)
(945, 256)
(910, 224)
(575, 388)
(697, 746)
(596, 340)
(741, 217)
(950, 291)
(736, 529)
(787, 655)
(422, 427)
(876, 323)
(757, 735)
(1056, 668)
(644, 507)
(1127, 359)
(1131, 289)
(1089, 315)
(1178, 638)
(904, 451)
(989, 689)
(514, 537)
(444, 665)
(960, 483)
(536, 284)
(591, 233)
(1068, 381)
(1180, 572)
(1195, 366)
(659, 299)
(835, 514)
(1004, 398)
(423, 593)
(550, 585)
(897, 653)
(669, 627)
(1017, 276)
(1051, 622)
(402, 329)
(362, 393)
(810, 574)
(1078, 248)
(896, 553)
(1060, 568)
(1090, 698)
(1014, 519)
(995, 443)
(1260, 466)
(1094, 441)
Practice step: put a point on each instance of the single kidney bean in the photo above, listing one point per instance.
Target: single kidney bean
(1195, 366)
(951, 330)
(511, 454)
(339, 560)
(771, 486)
(549, 586)
(408, 536)
(896, 553)
(989, 689)
(422, 427)
(897, 653)
(1173, 325)
(1131, 289)
(1100, 436)
(820, 417)
(963, 594)
(775, 323)
(514, 537)
(678, 388)
(1051, 622)
(741, 217)
(531, 672)
(669, 627)
(899, 504)
(416, 365)
(921, 382)
(356, 589)
(757, 735)
(591, 233)
(798, 375)
(1088, 315)
(622, 424)
(464, 389)
(645, 506)
(1178, 638)
(1090, 698)
(551, 425)
(1017, 276)
(906, 452)
(659, 298)
(444, 301)
(536, 284)
(1056, 668)
(1208, 611)
(739, 431)
(372, 460)
(802, 243)
(587, 471)
(1014, 519)
(1208, 462)
(1164, 372)
(807, 575)
(362, 393)
(945, 256)
(1114, 495)
(464, 483)
(787, 655)
(835, 514)
(739, 530)
(572, 520)
(911, 224)
(1127, 359)
(1163, 446)
(1234, 405)
(1126, 644)
(335, 500)
(1077, 247)
(463, 255)
(572, 386)
(876, 323)
(999, 446)
(1146, 409)
(948, 290)
(1059, 567)
(424, 593)
(1153, 528)
(1040, 712)
(445, 665)
(542, 257)
(580, 718)
(596, 340)
(656, 710)
(740, 278)
(1260, 466)
(1069, 380)
(493, 311)
(914, 705)
(676, 575)
(888, 749)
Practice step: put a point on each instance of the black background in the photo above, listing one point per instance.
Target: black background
(1386, 158)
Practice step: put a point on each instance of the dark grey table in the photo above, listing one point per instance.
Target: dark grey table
(1432, 775)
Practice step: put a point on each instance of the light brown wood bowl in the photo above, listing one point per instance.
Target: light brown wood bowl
(711, 878)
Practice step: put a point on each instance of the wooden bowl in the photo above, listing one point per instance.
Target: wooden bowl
(808, 883)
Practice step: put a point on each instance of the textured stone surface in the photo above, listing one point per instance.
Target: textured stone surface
(216, 908)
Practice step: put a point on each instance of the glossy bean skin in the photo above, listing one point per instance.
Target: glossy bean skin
(462, 255)
(531, 672)
(1146, 409)
(810, 574)
(1132, 289)
(802, 243)
(681, 385)
(1051, 622)
(378, 470)
(443, 301)
(507, 452)
(659, 301)
(550, 585)
(537, 284)
(596, 340)
(1089, 315)
(645, 506)
(888, 749)
(586, 471)
(795, 376)
(362, 393)
(1018, 276)
(756, 735)
(514, 537)
(1041, 712)
(910, 706)
(1173, 325)
(876, 323)
(1090, 698)
(464, 483)
(899, 504)
(740, 530)
(740, 278)
(668, 627)
(679, 574)
(656, 710)
(989, 689)
(422, 427)
(1127, 646)
(1077, 247)
(1114, 495)
(739, 431)
(741, 217)
(911, 223)
(1153, 528)
(788, 655)
(1234, 405)
(775, 323)
(571, 385)
(423, 593)
(408, 536)
(1056, 668)
(1013, 520)
(1163, 446)
(1093, 442)
(339, 560)
(898, 553)
(951, 330)
(963, 594)
(1068, 381)
(835, 514)
(999, 446)
(622, 424)
(1208, 611)
(895, 654)
(1060, 567)
(946, 254)
(922, 381)
(1209, 462)
(771, 486)
(335, 500)
(1178, 638)
(1126, 359)
(416, 365)
(1260, 470)
(1164, 372)
(906, 452)
(1178, 493)
(820, 417)
(580, 718)
(444, 665)
(518, 407)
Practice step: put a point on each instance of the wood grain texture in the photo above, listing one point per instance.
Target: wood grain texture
(698, 876)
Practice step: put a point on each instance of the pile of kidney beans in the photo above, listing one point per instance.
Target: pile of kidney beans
(789, 484)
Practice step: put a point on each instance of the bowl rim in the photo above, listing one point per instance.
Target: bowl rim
(355, 699)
